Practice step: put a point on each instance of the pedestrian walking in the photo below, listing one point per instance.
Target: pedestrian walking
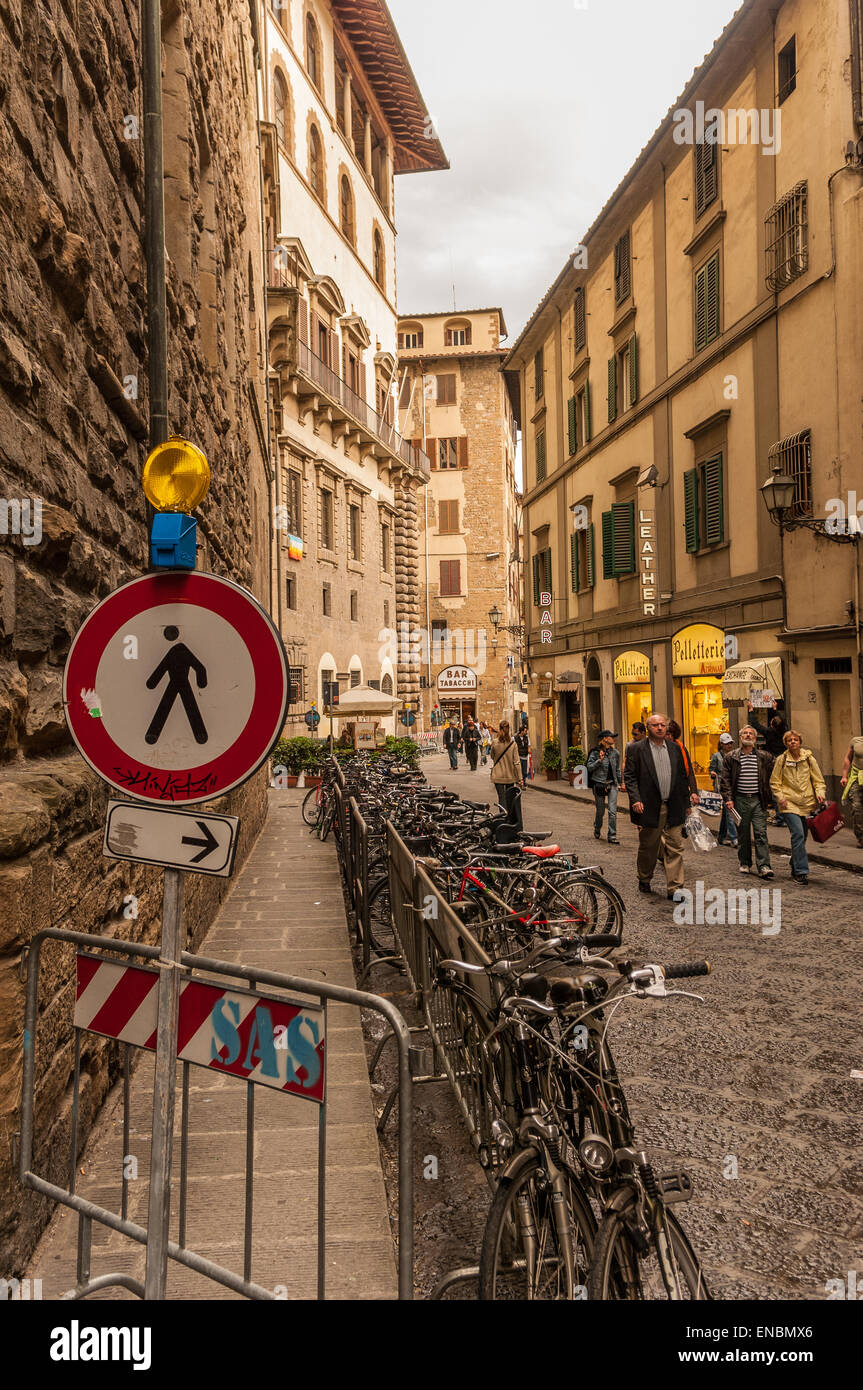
(852, 783)
(674, 733)
(452, 743)
(484, 741)
(745, 788)
(727, 834)
(660, 793)
(799, 786)
(522, 743)
(470, 738)
(506, 774)
(604, 779)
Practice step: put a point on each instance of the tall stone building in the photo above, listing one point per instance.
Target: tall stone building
(704, 339)
(457, 404)
(73, 437)
(343, 116)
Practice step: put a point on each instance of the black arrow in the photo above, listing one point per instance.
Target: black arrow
(210, 843)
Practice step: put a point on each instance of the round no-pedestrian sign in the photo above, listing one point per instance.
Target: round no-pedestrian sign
(176, 687)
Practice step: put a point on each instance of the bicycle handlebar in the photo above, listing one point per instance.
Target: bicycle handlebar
(683, 972)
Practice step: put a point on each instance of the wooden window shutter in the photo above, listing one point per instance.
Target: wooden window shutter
(623, 525)
(612, 389)
(536, 580)
(363, 385)
(607, 546)
(587, 430)
(633, 368)
(579, 321)
(304, 321)
(573, 424)
(714, 520)
(591, 556)
(547, 584)
(462, 451)
(315, 337)
(344, 363)
(573, 561)
(700, 308)
(712, 296)
(431, 450)
(447, 337)
(690, 509)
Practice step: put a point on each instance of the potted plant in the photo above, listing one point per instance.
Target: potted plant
(551, 759)
(287, 760)
(314, 754)
(574, 758)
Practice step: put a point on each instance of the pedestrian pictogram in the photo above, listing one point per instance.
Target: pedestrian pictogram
(176, 687)
(174, 839)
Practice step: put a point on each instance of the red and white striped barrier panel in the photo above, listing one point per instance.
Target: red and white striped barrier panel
(256, 1037)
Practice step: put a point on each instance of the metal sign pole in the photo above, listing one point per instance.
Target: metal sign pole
(164, 1088)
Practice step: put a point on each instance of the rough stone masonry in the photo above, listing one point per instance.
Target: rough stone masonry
(73, 436)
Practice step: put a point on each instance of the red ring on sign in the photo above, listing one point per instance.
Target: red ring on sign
(269, 707)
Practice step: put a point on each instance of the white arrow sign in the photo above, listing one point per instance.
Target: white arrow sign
(204, 843)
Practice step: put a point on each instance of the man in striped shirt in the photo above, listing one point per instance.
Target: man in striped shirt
(745, 786)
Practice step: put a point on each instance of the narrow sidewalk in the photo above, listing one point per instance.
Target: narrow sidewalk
(285, 912)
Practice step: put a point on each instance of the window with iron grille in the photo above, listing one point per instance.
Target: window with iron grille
(786, 76)
(356, 679)
(706, 175)
(387, 685)
(294, 503)
(622, 269)
(448, 453)
(354, 532)
(833, 666)
(295, 677)
(706, 297)
(579, 320)
(327, 527)
(787, 237)
(385, 548)
(794, 457)
(539, 373)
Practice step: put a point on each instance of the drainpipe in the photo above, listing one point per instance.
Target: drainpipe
(154, 223)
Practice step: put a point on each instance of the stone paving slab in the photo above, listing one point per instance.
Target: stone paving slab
(285, 913)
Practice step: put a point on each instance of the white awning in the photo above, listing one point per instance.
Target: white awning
(361, 699)
(760, 676)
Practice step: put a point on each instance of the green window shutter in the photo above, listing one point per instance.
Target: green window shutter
(573, 425)
(712, 297)
(586, 412)
(700, 308)
(633, 368)
(540, 456)
(591, 557)
(607, 546)
(536, 580)
(690, 509)
(714, 518)
(612, 389)
(580, 326)
(573, 561)
(547, 585)
(623, 528)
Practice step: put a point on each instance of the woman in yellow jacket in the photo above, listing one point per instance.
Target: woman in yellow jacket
(799, 787)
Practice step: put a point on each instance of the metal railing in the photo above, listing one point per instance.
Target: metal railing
(322, 375)
(88, 1211)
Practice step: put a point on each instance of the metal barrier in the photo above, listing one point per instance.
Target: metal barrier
(357, 857)
(189, 969)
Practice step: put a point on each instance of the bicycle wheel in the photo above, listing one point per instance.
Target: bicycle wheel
(585, 903)
(522, 1256)
(310, 806)
(326, 818)
(620, 1271)
(381, 934)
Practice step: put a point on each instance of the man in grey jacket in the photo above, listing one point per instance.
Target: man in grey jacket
(603, 776)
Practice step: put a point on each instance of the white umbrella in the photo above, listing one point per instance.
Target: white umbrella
(362, 700)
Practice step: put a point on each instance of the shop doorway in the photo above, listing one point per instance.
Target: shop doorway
(593, 703)
(834, 699)
(572, 717)
(457, 711)
(704, 718)
(636, 704)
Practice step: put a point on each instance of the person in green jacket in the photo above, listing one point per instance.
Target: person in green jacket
(799, 787)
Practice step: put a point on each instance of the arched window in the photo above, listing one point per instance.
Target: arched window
(316, 163)
(313, 51)
(379, 260)
(387, 685)
(280, 108)
(457, 333)
(346, 208)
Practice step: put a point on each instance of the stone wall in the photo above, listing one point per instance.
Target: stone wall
(73, 436)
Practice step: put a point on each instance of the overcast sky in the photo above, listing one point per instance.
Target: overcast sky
(529, 98)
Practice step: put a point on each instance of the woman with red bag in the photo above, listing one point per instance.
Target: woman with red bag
(799, 787)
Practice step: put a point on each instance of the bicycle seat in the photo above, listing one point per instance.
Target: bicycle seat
(541, 851)
(477, 805)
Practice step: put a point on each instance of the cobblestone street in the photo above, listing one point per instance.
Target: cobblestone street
(751, 1091)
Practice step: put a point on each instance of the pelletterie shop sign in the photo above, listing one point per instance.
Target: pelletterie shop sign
(648, 577)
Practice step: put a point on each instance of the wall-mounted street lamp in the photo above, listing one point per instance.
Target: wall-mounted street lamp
(494, 617)
(778, 493)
